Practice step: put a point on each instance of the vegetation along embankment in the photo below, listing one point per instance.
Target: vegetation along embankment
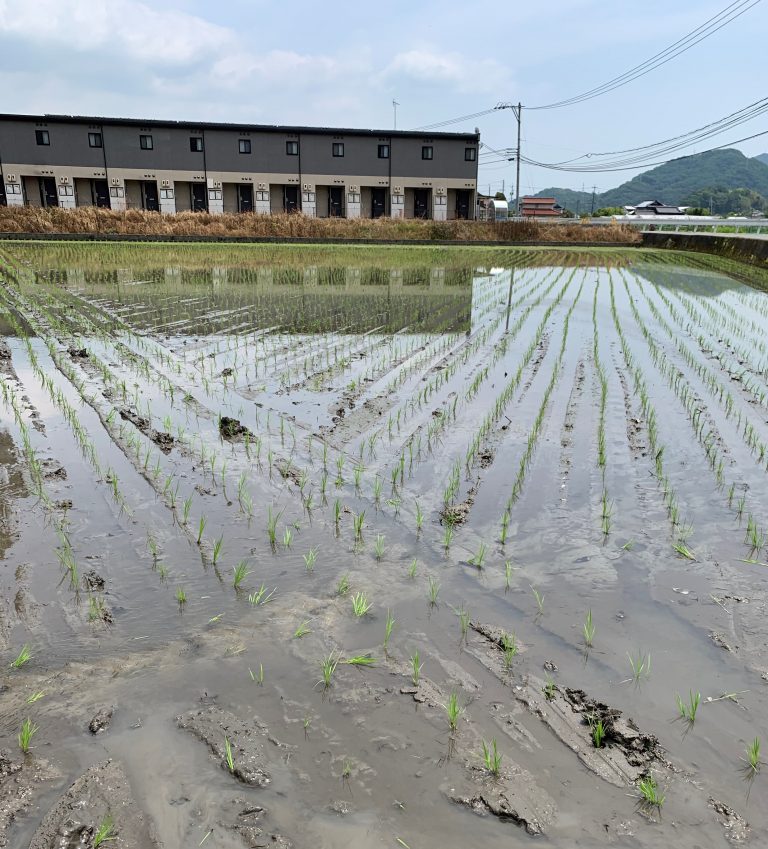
(92, 222)
(753, 250)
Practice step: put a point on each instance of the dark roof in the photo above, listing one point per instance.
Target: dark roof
(212, 125)
(649, 203)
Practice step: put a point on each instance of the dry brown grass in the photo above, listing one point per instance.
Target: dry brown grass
(140, 223)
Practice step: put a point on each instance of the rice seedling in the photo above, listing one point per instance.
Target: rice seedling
(302, 630)
(447, 536)
(186, 506)
(419, 517)
(688, 710)
(360, 604)
(640, 665)
(361, 660)
(589, 630)
(683, 550)
(309, 558)
(240, 573)
(378, 546)
(200, 528)
(416, 666)
(328, 667)
(549, 689)
(105, 832)
(358, 525)
(510, 648)
(181, 596)
(492, 758)
(217, 546)
(478, 558)
(272, 521)
(598, 733)
(261, 596)
(504, 528)
(651, 796)
(539, 601)
(388, 626)
(753, 755)
(22, 658)
(228, 755)
(508, 567)
(287, 537)
(28, 731)
(463, 623)
(35, 697)
(342, 588)
(433, 590)
(258, 679)
(453, 711)
(413, 568)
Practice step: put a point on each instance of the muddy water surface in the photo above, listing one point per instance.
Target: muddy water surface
(293, 537)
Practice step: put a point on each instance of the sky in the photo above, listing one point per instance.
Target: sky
(342, 64)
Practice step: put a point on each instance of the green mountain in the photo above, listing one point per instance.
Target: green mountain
(676, 181)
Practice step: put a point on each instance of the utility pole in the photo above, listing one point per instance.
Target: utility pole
(395, 104)
(518, 115)
(594, 189)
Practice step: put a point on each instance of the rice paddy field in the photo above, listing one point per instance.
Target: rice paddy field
(378, 546)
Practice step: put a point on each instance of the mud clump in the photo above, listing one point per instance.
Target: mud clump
(78, 353)
(641, 750)
(164, 441)
(93, 582)
(213, 726)
(102, 790)
(5, 351)
(288, 471)
(101, 720)
(499, 805)
(230, 428)
(736, 827)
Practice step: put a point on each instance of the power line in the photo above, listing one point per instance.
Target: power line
(726, 16)
(555, 167)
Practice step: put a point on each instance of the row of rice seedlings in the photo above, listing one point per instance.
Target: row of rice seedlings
(606, 514)
(533, 435)
(691, 403)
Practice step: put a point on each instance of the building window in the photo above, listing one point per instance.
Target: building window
(426, 151)
(262, 196)
(383, 151)
(338, 148)
(116, 191)
(196, 144)
(94, 140)
(66, 191)
(214, 194)
(166, 194)
(470, 154)
(440, 200)
(353, 197)
(244, 145)
(292, 148)
(42, 137)
(146, 143)
(13, 188)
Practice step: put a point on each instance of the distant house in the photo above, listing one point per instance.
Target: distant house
(654, 207)
(534, 207)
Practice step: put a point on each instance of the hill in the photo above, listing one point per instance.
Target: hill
(676, 181)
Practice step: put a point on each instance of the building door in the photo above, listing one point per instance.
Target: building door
(3, 201)
(48, 194)
(291, 198)
(245, 198)
(149, 198)
(378, 203)
(462, 203)
(100, 193)
(421, 203)
(199, 197)
(336, 202)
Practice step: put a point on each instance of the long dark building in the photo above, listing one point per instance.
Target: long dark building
(173, 166)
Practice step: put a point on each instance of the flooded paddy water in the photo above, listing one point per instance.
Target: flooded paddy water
(381, 547)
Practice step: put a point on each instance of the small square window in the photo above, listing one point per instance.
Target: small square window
(426, 151)
(94, 140)
(146, 143)
(338, 148)
(42, 137)
(470, 154)
(292, 148)
(196, 144)
(383, 151)
(244, 145)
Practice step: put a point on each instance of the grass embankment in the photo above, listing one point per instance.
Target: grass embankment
(90, 220)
